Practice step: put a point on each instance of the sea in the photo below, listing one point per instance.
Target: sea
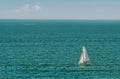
(51, 49)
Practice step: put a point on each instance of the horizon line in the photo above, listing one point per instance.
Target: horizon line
(59, 19)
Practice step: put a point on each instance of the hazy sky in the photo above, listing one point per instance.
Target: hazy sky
(59, 9)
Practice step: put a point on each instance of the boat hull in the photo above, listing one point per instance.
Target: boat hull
(85, 64)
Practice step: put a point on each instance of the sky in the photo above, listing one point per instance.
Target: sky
(60, 9)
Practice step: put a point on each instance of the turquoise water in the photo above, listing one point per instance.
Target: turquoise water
(49, 49)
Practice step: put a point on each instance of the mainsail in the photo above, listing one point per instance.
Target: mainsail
(84, 59)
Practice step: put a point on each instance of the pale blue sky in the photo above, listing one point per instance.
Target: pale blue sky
(59, 9)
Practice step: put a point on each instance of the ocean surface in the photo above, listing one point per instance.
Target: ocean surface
(51, 49)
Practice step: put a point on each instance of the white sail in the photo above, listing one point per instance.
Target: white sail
(84, 59)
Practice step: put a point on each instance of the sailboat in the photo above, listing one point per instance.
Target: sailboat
(84, 59)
